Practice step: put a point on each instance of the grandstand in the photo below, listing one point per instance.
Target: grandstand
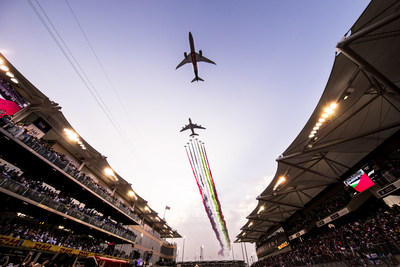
(62, 201)
(335, 195)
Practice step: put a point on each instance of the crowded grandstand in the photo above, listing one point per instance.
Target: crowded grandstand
(334, 200)
(63, 204)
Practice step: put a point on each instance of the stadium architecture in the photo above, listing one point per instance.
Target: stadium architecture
(335, 194)
(61, 200)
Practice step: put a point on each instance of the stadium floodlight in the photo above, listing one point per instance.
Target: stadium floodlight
(132, 194)
(333, 105)
(311, 136)
(4, 68)
(244, 233)
(318, 124)
(250, 224)
(316, 128)
(73, 136)
(260, 209)
(109, 172)
(10, 74)
(14, 80)
(282, 178)
(324, 115)
(328, 110)
(321, 120)
(313, 132)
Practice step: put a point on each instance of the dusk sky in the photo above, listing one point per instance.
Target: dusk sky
(273, 61)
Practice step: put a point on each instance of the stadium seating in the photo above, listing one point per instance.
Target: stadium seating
(37, 191)
(370, 235)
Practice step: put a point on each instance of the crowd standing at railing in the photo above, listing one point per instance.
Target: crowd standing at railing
(20, 132)
(362, 238)
(36, 190)
(319, 212)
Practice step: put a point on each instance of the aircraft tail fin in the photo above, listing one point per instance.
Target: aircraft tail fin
(197, 79)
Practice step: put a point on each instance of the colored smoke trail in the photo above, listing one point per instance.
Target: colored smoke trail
(197, 155)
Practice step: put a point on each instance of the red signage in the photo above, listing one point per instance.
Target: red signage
(8, 107)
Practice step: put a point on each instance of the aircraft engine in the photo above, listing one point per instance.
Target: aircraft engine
(185, 54)
(200, 52)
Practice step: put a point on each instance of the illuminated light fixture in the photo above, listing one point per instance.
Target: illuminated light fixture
(60, 227)
(10, 74)
(280, 181)
(1, 61)
(73, 136)
(328, 111)
(321, 120)
(14, 80)
(132, 194)
(333, 105)
(165, 226)
(250, 224)
(313, 132)
(318, 124)
(345, 97)
(243, 234)
(157, 219)
(108, 171)
(311, 136)
(316, 128)
(146, 208)
(325, 115)
(260, 209)
(4, 68)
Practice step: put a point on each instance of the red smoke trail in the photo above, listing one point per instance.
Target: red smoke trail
(216, 195)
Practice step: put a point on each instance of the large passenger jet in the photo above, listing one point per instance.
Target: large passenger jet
(193, 58)
(192, 126)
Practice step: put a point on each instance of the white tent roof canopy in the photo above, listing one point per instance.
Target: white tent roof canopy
(362, 106)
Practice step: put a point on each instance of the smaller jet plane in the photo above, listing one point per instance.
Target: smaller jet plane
(193, 58)
(192, 126)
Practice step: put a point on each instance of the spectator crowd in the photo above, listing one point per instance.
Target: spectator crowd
(42, 147)
(36, 189)
(368, 236)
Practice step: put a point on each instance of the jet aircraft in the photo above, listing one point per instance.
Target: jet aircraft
(193, 58)
(192, 126)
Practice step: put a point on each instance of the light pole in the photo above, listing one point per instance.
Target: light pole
(201, 252)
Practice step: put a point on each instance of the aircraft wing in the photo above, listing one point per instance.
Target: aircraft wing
(197, 126)
(186, 127)
(186, 60)
(204, 59)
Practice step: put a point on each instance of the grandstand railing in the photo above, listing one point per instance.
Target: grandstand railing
(53, 160)
(42, 199)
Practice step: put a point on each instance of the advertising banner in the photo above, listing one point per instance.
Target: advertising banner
(8, 107)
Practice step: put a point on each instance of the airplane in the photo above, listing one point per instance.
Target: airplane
(193, 58)
(192, 126)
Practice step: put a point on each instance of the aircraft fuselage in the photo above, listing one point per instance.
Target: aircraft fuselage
(193, 54)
